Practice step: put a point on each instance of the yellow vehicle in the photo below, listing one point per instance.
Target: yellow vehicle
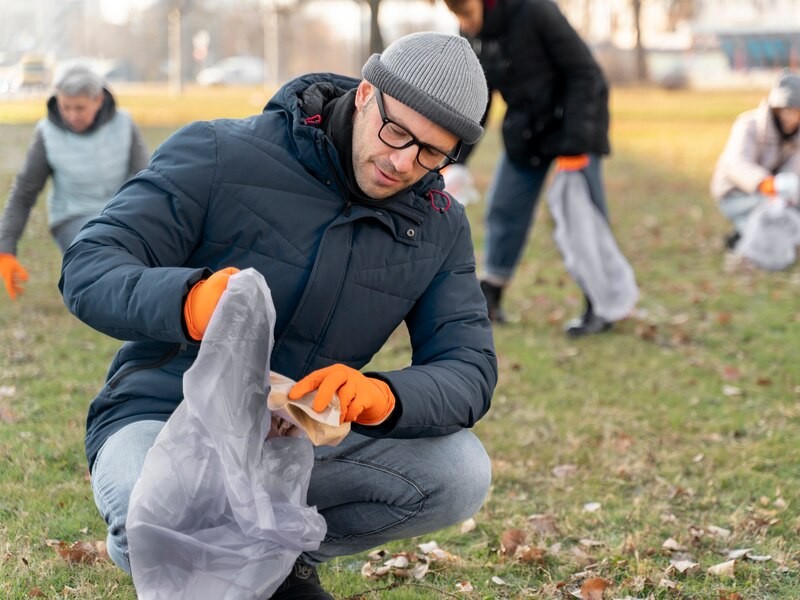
(33, 71)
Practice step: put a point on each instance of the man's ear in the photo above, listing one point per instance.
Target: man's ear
(363, 94)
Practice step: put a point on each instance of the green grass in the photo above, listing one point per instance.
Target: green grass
(645, 414)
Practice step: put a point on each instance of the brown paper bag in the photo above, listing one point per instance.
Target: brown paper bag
(292, 418)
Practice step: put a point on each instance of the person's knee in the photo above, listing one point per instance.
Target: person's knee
(114, 475)
(465, 481)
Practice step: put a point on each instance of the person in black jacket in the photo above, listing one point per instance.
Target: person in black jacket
(333, 194)
(557, 110)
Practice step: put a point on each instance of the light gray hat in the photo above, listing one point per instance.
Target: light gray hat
(437, 75)
(786, 91)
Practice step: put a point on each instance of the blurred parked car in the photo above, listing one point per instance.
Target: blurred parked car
(32, 72)
(236, 70)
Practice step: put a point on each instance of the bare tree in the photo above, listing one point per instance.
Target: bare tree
(375, 37)
(641, 59)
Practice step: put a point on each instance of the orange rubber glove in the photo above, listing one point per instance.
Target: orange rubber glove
(363, 399)
(201, 301)
(767, 186)
(13, 274)
(572, 163)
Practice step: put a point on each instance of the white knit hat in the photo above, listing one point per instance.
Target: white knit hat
(437, 75)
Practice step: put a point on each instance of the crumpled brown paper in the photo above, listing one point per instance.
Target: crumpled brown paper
(292, 418)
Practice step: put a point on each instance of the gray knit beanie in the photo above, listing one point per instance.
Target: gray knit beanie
(786, 91)
(437, 75)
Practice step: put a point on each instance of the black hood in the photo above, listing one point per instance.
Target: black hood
(336, 107)
(104, 115)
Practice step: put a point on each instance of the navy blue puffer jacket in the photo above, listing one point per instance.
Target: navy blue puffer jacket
(262, 192)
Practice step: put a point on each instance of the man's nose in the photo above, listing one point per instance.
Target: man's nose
(405, 159)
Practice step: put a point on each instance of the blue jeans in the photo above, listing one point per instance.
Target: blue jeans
(370, 491)
(513, 196)
(737, 207)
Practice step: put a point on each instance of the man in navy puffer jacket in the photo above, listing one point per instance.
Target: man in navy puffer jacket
(333, 194)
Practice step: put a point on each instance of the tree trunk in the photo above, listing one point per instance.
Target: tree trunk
(375, 37)
(641, 61)
(175, 62)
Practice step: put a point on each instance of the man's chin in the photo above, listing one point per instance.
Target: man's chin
(379, 190)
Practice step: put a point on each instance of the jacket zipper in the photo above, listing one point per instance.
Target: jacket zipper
(167, 357)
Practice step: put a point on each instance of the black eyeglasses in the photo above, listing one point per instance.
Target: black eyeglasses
(397, 137)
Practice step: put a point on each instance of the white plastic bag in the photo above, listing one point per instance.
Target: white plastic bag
(218, 512)
(771, 235)
(458, 183)
(590, 253)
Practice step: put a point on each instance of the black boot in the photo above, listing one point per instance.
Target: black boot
(492, 293)
(732, 239)
(301, 584)
(587, 324)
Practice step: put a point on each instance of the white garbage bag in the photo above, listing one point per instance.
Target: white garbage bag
(590, 252)
(771, 235)
(219, 510)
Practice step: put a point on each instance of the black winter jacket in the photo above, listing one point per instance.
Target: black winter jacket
(556, 94)
(268, 192)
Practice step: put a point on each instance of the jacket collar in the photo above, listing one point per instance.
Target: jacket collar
(320, 107)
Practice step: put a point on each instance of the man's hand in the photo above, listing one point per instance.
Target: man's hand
(364, 400)
(767, 186)
(572, 163)
(13, 274)
(201, 301)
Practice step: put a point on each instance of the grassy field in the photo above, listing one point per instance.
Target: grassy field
(661, 458)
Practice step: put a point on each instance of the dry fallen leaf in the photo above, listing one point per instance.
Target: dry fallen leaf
(594, 588)
(758, 558)
(666, 582)
(724, 318)
(719, 532)
(544, 525)
(80, 552)
(434, 553)
(528, 554)
(377, 555)
(467, 526)
(562, 471)
(741, 552)
(731, 373)
(646, 331)
(510, 539)
(464, 586)
(673, 545)
(400, 562)
(681, 566)
(725, 569)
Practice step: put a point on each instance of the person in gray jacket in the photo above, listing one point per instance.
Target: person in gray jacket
(89, 147)
(764, 142)
(333, 194)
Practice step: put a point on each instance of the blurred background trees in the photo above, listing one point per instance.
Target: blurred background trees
(669, 42)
